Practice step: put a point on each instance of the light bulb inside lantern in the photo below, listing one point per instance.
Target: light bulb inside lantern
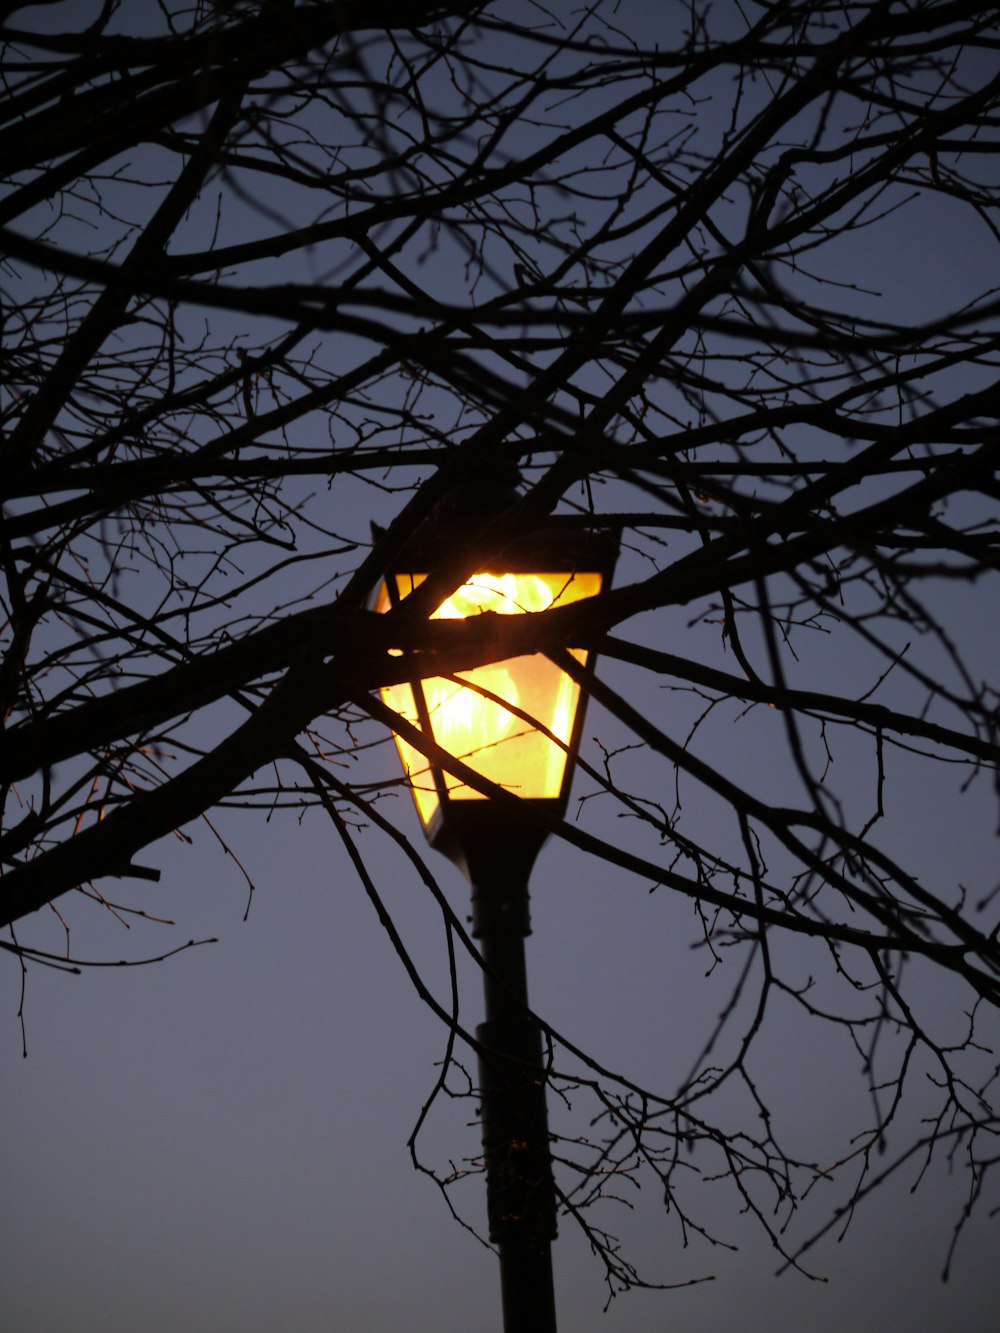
(484, 732)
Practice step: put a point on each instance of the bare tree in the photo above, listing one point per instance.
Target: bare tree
(273, 269)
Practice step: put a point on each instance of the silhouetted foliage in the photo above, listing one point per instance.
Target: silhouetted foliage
(274, 269)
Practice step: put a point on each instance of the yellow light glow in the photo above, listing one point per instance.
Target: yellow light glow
(484, 732)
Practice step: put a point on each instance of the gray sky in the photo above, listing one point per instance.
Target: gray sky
(219, 1141)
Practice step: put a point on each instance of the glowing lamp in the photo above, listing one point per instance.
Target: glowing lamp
(514, 722)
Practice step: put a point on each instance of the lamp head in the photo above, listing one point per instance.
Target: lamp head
(514, 722)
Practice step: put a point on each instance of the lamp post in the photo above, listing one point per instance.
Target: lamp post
(517, 723)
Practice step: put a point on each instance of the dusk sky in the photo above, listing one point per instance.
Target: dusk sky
(218, 1141)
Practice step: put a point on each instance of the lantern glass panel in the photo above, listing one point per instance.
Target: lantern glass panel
(495, 718)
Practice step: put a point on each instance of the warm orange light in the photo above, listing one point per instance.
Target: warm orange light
(483, 731)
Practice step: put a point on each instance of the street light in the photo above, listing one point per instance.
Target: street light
(516, 723)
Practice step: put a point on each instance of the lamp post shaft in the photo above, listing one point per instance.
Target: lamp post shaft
(520, 1189)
